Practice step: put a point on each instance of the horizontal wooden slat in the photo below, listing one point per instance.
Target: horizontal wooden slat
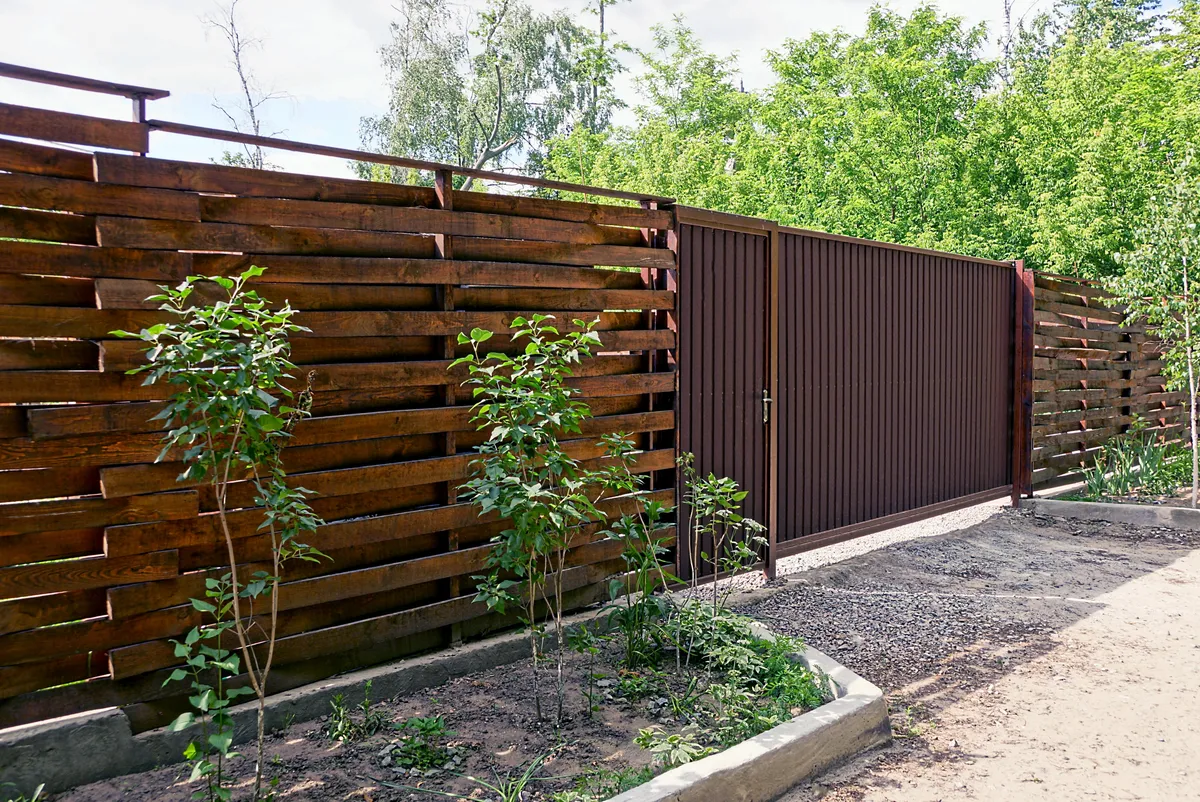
(121, 355)
(1054, 325)
(62, 514)
(177, 235)
(83, 426)
(52, 321)
(88, 197)
(68, 260)
(132, 294)
(86, 573)
(28, 157)
(48, 355)
(45, 386)
(39, 483)
(54, 608)
(77, 129)
(1082, 312)
(574, 211)
(173, 235)
(1063, 285)
(47, 291)
(292, 269)
(85, 449)
(217, 178)
(12, 425)
(412, 220)
(47, 226)
(42, 546)
(272, 184)
(71, 322)
(15, 680)
(497, 298)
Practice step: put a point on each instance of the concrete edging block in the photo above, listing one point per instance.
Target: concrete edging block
(762, 768)
(1133, 514)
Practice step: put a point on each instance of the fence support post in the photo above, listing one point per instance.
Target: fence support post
(1022, 450)
(770, 403)
(444, 187)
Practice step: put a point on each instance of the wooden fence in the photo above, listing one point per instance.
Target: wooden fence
(1091, 377)
(101, 548)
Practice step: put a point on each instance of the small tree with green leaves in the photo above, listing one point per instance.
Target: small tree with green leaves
(714, 514)
(524, 474)
(1158, 285)
(230, 413)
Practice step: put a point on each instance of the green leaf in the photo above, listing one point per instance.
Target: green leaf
(221, 741)
(270, 423)
(182, 722)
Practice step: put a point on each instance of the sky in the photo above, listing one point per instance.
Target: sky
(324, 55)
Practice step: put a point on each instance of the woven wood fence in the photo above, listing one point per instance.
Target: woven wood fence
(1091, 377)
(102, 548)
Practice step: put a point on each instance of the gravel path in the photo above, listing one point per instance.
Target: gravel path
(1001, 638)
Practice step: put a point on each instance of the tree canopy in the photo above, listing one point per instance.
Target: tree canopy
(910, 133)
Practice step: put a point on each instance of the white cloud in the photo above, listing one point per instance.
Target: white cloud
(325, 54)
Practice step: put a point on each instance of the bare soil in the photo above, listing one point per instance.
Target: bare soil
(1024, 658)
(491, 713)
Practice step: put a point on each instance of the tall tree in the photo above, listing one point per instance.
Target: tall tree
(479, 89)
(1159, 284)
(689, 125)
(600, 63)
(245, 114)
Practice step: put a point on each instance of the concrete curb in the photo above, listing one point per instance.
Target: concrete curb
(1134, 514)
(98, 745)
(764, 767)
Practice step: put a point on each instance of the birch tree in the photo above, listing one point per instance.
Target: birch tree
(1158, 286)
(481, 89)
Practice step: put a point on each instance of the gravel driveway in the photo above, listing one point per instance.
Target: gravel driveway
(1024, 657)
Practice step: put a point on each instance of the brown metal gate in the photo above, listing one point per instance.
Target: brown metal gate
(889, 370)
(895, 386)
(722, 357)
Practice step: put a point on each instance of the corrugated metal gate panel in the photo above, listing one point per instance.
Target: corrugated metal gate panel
(895, 383)
(722, 359)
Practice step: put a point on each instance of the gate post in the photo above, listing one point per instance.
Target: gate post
(1022, 449)
(770, 404)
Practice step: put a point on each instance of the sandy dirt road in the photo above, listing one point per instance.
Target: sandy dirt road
(1069, 669)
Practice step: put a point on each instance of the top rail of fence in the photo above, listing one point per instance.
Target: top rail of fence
(34, 75)
(759, 226)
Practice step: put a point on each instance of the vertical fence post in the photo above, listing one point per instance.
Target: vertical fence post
(1022, 451)
(683, 552)
(650, 321)
(444, 187)
(771, 401)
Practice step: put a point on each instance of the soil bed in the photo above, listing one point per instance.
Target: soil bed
(1180, 498)
(493, 731)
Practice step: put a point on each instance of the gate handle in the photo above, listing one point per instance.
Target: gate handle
(767, 400)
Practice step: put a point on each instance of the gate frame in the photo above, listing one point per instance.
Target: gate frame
(1022, 401)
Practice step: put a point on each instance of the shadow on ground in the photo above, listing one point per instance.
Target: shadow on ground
(933, 620)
